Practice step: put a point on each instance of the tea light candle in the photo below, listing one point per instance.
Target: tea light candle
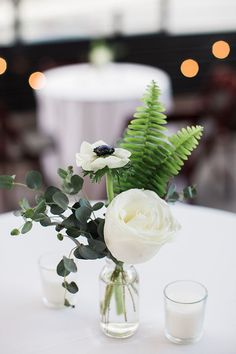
(184, 311)
(53, 292)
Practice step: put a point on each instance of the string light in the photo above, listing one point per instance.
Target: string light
(3, 66)
(37, 80)
(189, 68)
(221, 49)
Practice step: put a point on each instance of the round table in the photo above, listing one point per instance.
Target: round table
(204, 250)
(82, 102)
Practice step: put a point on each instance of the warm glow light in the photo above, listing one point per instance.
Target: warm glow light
(37, 80)
(221, 49)
(3, 66)
(189, 68)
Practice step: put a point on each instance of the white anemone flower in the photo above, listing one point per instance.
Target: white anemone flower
(94, 157)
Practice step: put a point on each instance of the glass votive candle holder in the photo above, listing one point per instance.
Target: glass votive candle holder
(54, 294)
(185, 302)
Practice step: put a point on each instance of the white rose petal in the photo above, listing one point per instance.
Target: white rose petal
(89, 161)
(137, 223)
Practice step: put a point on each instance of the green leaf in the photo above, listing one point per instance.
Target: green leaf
(71, 287)
(41, 207)
(27, 227)
(60, 237)
(44, 220)
(66, 303)
(56, 210)
(97, 245)
(73, 232)
(61, 270)
(50, 191)
(85, 203)
(190, 192)
(82, 214)
(61, 200)
(76, 183)
(85, 252)
(29, 213)
(62, 173)
(39, 198)
(172, 195)
(100, 228)
(71, 221)
(98, 206)
(24, 204)
(171, 190)
(15, 232)
(7, 182)
(70, 265)
(33, 180)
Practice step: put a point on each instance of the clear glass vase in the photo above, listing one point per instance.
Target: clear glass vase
(119, 295)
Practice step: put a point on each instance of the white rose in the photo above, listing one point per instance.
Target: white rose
(89, 160)
(137, 223)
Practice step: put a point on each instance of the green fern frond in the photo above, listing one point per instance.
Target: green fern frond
(155, 158)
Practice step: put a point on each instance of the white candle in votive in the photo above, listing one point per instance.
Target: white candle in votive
(184, 310)
(184, 320)
(53, 292)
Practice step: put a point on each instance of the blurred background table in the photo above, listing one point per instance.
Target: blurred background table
(83, 102)
(204, 251)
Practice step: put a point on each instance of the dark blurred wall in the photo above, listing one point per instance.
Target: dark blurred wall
(159, 50)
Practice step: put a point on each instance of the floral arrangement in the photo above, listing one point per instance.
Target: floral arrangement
(101, 53)
(137, 220)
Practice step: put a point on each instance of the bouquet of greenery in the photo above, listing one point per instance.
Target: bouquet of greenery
(138, 220)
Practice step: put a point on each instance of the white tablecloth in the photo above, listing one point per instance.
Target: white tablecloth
(81, 102)
(204, 251)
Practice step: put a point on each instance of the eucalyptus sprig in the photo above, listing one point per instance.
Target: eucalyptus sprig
(76, 221)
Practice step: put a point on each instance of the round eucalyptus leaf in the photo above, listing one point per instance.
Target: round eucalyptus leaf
(15, 232)
(98, 206)
(70, 265)
(71, 287)
(62, 173)
(27, 227)
(76, 183)
(29, 213)
(85, 252)
(33, 180)
(50, 191)
(60, 237)
(97, 245)
(61, 270)
(61, 200)
(56, 210)
(45, 221)
(41, 207)
(6, 182)
(82, 214)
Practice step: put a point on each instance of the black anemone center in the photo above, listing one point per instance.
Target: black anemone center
(104, 150)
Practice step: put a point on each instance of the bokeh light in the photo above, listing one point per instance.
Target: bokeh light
(3, 66)
(221, 49)
(37, 80)
(189, 68)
